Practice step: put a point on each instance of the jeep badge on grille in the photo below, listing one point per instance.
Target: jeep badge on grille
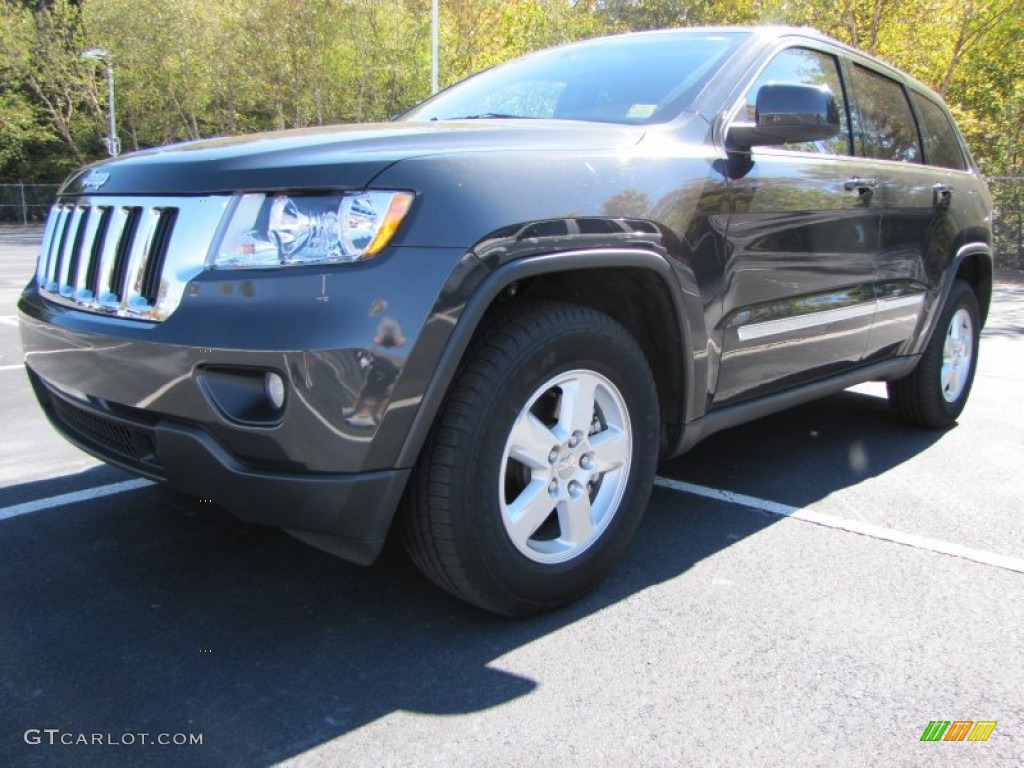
(94, 180)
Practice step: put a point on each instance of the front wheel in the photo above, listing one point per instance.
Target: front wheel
(538, 471)
(935, 392)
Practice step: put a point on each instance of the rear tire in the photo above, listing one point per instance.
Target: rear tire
(934, 394)
(539, 467)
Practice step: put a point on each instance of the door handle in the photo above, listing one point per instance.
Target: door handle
(942, 195)
(864, 188)
(857, 184)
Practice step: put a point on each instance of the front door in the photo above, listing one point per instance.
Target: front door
(802, 243)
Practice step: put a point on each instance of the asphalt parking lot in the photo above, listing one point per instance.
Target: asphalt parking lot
(812, 589)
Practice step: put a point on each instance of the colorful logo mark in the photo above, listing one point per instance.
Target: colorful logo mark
(958, 730)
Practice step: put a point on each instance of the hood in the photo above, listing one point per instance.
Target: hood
(336, 157)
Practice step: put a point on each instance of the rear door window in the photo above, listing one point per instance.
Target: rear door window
(883, 121)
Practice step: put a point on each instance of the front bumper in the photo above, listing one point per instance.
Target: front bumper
(349, 514)
(171, 400)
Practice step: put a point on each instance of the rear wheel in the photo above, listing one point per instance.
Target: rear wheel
(539, 468)
(935, 392)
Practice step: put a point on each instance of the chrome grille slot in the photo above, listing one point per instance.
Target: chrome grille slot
(129, 257)
(122, 257)
(148, 284)
(70, 278)
(68, 263)
(52, 225)
(53, 273)
(92, 270)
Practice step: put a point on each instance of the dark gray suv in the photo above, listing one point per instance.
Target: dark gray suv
(482, 324)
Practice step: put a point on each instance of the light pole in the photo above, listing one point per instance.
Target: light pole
(112, 142)
(435, 34)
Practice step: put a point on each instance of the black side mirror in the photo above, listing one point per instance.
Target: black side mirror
(787, 114)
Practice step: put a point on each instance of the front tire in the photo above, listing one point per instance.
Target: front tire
(934, 394)
(539, 468)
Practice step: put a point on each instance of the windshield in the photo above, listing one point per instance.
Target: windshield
(634, 79)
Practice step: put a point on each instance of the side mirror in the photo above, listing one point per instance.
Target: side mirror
(787, 114)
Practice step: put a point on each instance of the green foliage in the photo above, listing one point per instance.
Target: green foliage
(196, 68)
(47, 105)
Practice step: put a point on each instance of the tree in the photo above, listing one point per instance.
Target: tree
(49, 99)
(197, 68)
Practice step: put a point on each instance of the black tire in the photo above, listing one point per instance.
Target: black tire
(936, 391)
(477, 492)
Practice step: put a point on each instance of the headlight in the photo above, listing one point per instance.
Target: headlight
(280, 230)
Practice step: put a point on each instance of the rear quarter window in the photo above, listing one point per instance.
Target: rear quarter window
(941, 145)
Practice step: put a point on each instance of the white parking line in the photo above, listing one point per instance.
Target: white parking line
(851, 526)
(751, 502)
(73, 498)
(18, 367)
(11, 320)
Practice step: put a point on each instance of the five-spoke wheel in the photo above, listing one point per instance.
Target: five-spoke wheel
(935, 392)
(537, 472)
(565, 466)
(957, 356)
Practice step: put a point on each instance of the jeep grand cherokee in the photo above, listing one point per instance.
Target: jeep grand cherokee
(483, 323)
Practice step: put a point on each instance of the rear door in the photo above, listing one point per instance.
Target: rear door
(887, 136)
(923, 177)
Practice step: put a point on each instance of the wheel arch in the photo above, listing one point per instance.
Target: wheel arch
(603, 279)
(973, 264)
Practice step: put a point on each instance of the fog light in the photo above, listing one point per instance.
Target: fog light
(251, 396)
(273, 385)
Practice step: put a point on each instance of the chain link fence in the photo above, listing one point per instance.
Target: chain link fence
(1008, 220)
(26, 203)
(29, 204)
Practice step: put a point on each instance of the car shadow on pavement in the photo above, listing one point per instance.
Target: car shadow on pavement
(803, 455)
(149, 612)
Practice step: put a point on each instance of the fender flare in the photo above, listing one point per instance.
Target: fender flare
(963, 253)
(511, 272)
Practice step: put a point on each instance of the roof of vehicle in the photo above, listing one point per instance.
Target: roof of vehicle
(770, 34)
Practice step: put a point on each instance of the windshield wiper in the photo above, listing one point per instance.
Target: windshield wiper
(488, 116)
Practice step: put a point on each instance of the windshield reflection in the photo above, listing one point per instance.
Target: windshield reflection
(637, 80)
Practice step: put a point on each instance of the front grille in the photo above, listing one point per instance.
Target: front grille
(113, 435)
(126, 256)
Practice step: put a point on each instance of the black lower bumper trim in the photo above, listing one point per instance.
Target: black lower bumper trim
(120, 437)
(354, 510)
